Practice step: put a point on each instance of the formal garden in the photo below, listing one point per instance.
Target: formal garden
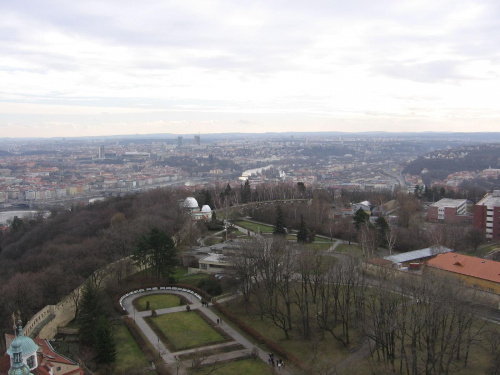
(185, 330)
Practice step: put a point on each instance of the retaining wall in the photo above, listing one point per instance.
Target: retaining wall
(64, 311)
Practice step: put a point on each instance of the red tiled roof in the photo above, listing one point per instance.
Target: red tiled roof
(53, 356)
(466, 265)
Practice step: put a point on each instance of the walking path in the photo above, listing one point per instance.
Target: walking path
(171, 358)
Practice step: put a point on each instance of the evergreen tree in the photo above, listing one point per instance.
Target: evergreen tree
(360, 217)
(157, 249)
(90, 311)
(246, 193)
(382, 228)
(279, 224)
(16, 224)
(302, 233)
(208, 199)
(105, 345)
(225, 194)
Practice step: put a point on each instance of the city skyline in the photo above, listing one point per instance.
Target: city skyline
(120, 67)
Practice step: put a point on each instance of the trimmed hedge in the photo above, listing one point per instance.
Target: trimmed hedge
(271, 345)
(146, 347)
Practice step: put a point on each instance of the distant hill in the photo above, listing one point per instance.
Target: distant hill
(441, 163)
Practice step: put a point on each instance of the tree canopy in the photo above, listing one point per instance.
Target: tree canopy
(157, 250)
(360, 217)
(302, 233)
(279, 223)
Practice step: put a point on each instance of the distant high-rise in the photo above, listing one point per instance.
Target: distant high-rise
(101, 152)
(179, 141)
(197, 140)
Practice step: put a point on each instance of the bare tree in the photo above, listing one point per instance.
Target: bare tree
(391, 236)
(368, 239)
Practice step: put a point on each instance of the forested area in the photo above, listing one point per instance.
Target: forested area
(438, 168)
(42, 260)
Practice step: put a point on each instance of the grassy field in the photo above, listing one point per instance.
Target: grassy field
(201, 353)
(157, 301)
(320, 246)
(193, 280)
(244, 366)
(128, 354)
(350, 249)
(254, 227)
(327, 349)
(185, 330)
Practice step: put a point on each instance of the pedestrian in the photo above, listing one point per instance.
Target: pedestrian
(217, 320)
(279, 365)
(272, 361)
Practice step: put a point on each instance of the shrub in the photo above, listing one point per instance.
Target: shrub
(211, 286)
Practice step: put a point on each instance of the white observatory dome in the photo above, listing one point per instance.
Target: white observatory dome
(206, 208)
(190, 202)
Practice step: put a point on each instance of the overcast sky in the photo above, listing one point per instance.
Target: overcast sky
(80, 68)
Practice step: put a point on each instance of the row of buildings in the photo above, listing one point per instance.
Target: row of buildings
(478, 273)
(485, 216)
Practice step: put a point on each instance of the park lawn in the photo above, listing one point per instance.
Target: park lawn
(157, 301)
(185, 330)
(254, 227)
(245, 366)
(192, 280)
(350, 249)
(330, 350)
(319, 246)
(128, 354)
(180, 272)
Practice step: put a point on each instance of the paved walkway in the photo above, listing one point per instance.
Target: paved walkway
(171, 358)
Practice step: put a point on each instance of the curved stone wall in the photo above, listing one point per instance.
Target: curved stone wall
(64, 311)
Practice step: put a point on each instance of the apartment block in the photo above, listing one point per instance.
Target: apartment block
(449, 211)
(487, 215)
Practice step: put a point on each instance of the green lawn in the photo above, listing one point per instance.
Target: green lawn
(184, 330)
(157, 301)
(128, 354)
(320, 246)
(350, 249)
(254, 226)
(244, 366)
(329, 350)
(180, 272)
(193, 280)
